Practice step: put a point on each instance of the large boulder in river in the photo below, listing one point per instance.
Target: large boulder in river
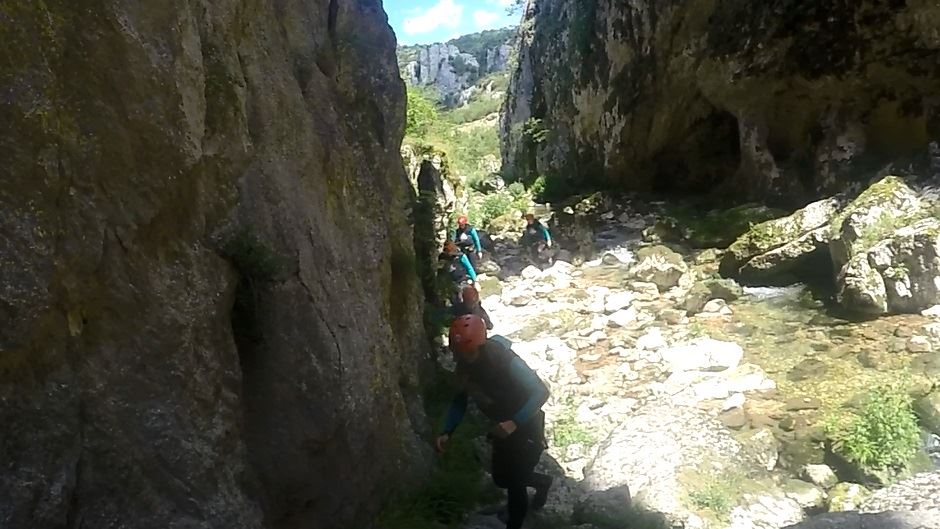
(883, 520)
(770, 250)
(920, 492)
(899, 274)
(710, 289)
(666, 453)
(659, 265)
(886, 249)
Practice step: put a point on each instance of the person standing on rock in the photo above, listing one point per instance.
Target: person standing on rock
(470, 304)
(461, 271)
(536, 238)
(511, 395)
(469, 241)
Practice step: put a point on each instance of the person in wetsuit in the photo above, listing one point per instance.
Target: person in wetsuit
(536, 239)
(458, 267)
(470, 304)
(511, 395)
(468, 240)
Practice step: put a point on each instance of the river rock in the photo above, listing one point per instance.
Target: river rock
(659, 265)
(798, 230)
(885, 520)
(919, 344)
(650, 451)
(618, 301)
(611, 506)
(928, 410)
(820, 475)
(769, 510)
(886, 248)
(710, 289)
(760, 446)
(809, 496)
(623, 318)
(847, 497)
(716, 307)
(917, 493)
(702, 354)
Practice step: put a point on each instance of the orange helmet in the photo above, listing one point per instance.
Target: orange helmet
(450, 247)
(462, 220)
(529, 216)
(467, 333)
(470, 295)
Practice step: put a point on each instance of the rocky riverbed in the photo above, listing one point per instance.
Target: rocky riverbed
(704, 400)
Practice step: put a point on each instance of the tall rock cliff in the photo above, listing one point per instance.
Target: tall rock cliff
(209, 314)
(453, 68)
(761, 99)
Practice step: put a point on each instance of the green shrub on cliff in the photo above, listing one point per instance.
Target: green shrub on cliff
(422, 112)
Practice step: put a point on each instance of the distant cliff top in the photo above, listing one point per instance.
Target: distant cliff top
(475, 44)
(453, 69)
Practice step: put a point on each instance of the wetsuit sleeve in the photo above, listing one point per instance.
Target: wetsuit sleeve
(455, 413)
(548, 236)
(538, 393)
(469, 267)
(476, 239)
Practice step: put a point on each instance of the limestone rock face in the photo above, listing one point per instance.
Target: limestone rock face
(758, 99)
(453, 68)
(150, 374)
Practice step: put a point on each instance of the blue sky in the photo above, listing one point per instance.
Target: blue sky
(427, 21)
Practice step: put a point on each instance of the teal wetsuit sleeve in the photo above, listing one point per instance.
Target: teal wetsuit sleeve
(548, 236)
(455, 413)
(476, 239)
(538, 393)
(469, 267)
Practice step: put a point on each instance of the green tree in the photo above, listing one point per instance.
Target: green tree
(422, 111)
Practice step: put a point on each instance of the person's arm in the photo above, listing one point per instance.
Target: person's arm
(455, 413)
(548, 236)
(469, 267)
(476, 240)
(538, 393)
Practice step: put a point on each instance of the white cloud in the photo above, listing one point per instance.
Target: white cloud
(500, 3)
(445, 13)
(485, 19)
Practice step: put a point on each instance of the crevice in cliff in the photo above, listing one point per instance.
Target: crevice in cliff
(331, 20)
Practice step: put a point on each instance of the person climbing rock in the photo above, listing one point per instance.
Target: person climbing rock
(511, 395)
(470, 304)
(536, 239)
(458, 266)
(468, 240)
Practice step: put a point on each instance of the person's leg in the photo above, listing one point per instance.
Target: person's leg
(511, 472)
(518, 505)
(474, 261)
(541, 483)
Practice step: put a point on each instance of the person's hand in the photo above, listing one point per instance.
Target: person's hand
(441, 441)
(507, 427)
(479, 255)
(549, 244)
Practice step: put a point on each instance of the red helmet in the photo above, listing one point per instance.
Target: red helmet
(467, 333)
(462, 220)
(470, 295)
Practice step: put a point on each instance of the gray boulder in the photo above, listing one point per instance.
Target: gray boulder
(885, 520)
